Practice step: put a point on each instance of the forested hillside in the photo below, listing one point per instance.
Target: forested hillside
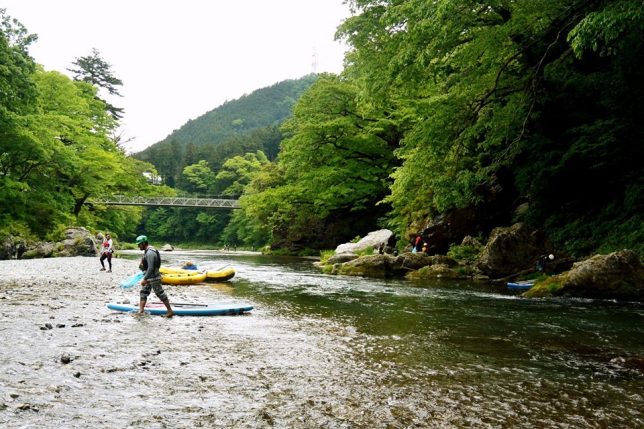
(246, 124)
(501, 111)
(464, 114)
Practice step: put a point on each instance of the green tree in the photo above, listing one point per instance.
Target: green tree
(538, 88)
(335, 163)
(237, 172)
(94, 70)
(199, 178)
(17, 91)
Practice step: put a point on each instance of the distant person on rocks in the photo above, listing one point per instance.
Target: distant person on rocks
(107, 248)
(150, 264)
(543, 261)
(418, 244)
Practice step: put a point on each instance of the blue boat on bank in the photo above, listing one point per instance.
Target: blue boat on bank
(521, 285)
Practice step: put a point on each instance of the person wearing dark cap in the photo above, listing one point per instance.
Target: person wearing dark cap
(150, 264)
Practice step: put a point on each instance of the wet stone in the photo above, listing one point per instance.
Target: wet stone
(26, 407)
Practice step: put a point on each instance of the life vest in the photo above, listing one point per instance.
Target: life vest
(144, 261)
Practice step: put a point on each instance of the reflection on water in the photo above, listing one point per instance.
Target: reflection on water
(506, 359)
(332, 351)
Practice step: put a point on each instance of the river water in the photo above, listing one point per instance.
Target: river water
(318, 351)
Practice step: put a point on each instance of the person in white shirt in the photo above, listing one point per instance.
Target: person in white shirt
(107, 248)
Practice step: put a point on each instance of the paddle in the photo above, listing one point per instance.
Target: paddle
(217, 269)
(182, 304)
(132, 280)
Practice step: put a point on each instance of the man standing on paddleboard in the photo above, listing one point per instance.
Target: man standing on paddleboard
(150, 264)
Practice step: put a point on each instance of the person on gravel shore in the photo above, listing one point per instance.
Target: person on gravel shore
(107, 248)
(150, 264)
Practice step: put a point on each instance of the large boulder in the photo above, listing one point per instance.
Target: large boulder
(374, 240)
(438, 271)
(77, 242)
(12, 247)
(511, 249)
(385, 265)
(341, 258)
(619, 275)
(378, 266)
(416, 261)
(497, 200)
(40, 250)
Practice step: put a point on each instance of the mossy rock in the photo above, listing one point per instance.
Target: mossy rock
(377, 266)
(438, 271)
(618, 275)
(545, 288)
(326, 269)
(31, 254)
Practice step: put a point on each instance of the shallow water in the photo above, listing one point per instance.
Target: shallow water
(317, 351)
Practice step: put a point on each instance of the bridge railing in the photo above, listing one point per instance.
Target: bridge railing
(122, 200)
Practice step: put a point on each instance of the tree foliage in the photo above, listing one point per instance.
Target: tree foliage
(335, 160)
(217, 154)
(94, 70)
(55, 147)
(438, 101)
(530, 86)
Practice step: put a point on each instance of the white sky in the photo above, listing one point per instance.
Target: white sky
(181, 59)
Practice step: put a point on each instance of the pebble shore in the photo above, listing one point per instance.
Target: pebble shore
(79, 270)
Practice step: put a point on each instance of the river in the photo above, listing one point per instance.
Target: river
(318, 351)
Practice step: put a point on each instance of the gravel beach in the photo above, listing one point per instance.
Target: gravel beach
(82, 273)
(68, 361)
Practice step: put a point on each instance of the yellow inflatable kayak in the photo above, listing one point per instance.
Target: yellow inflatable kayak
(211, 275)
(221, 275)
(183, 278)
(176, 270)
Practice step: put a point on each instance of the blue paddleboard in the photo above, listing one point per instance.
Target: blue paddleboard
(184, 309)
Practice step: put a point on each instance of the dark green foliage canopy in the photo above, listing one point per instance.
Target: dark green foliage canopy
(551, 90)
(439, 101)
(55, 148)
(441, 104)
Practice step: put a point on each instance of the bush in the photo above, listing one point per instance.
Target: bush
(325, 255)
(366, 251)
(468, 253)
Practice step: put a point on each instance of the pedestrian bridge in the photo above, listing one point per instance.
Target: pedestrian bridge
(122, 200)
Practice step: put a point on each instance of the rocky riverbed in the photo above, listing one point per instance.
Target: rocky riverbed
(67, 361)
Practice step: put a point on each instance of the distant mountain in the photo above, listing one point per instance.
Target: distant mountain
(261, 108)
(246, 124)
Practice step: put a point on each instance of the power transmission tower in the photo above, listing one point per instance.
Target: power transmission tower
(314, 62)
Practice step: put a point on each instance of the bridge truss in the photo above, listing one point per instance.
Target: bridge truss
(121, 200)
